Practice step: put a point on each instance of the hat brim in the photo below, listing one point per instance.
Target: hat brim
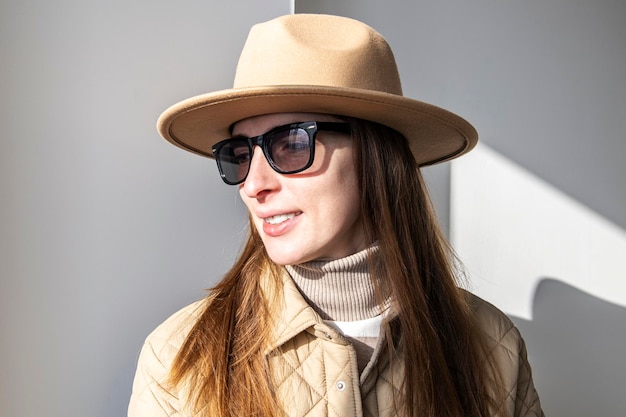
(434, 134)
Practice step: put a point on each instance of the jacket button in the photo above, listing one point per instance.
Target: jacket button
(341, 385)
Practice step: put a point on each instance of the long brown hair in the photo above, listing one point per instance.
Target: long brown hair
(223, 365)
(444, 354)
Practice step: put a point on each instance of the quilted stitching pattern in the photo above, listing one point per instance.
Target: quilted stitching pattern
(148, 386)
(303, 364)
(150, 396)
(379, 387)
(508, 349)
(315, 368)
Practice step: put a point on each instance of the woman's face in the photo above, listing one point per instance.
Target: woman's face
(310, 215)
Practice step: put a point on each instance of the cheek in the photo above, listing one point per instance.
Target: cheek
(352, 204)
(345, 197)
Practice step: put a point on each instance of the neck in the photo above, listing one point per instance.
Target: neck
(341, 289)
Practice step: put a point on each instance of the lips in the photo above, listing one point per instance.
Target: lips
(279, 218)
(279, 224)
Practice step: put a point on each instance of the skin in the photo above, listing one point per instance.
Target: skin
(318, 209)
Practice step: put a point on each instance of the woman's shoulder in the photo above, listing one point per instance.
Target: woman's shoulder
(507, 351)
(151, 394)
(167, 338)
(493, 322)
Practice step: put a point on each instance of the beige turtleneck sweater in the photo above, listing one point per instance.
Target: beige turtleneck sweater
(342, 293)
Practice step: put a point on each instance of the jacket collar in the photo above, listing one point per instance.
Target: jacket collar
(293, 316)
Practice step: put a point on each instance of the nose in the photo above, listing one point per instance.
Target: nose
(261, 177)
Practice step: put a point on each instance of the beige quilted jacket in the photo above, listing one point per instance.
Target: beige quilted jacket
(316, 373)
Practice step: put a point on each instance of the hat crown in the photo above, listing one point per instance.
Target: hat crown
(317, 64)
(308, 49)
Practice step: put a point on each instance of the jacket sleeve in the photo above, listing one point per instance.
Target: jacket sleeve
(507, 350)
(152, 396)
(527, 402)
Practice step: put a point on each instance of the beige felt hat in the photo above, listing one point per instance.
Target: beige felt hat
(320, 64)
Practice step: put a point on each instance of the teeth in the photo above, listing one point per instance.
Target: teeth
(279, 218)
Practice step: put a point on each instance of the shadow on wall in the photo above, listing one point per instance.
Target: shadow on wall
(577, 347)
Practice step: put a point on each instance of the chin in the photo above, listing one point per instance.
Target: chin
(285, 259)
(288, 257)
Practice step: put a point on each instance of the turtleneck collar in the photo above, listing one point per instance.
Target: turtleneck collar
(339, 289)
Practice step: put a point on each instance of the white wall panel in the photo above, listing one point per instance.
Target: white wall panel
(512, 230)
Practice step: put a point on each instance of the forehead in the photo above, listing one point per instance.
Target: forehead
(257, 125)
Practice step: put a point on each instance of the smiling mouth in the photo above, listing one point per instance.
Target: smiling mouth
(279, 218)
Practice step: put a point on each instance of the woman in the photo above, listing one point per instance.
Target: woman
(344, 300)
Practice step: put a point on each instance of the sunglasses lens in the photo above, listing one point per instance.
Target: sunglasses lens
(234, 160)
(290, 150)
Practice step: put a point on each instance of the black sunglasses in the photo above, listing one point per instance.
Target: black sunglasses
(289, 149)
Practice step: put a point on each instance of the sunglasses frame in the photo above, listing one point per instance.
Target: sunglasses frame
(311, 128)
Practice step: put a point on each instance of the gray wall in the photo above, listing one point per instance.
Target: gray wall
(106, 229)
(542, 81)
(545, 85)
